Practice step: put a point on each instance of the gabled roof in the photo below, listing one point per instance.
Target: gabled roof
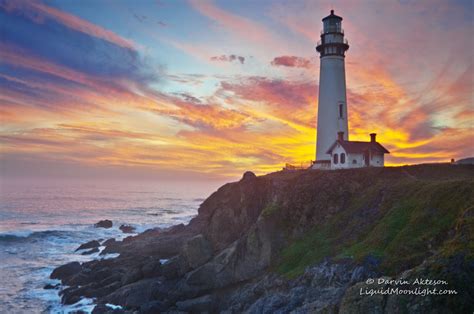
(352, 147)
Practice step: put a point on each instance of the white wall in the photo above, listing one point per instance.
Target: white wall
(332, 92)
(377, 160)
(339, 150)
(359, 158)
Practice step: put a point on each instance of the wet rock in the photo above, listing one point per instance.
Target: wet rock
(111, 246)
(77, 279)
(109, 242)
(107, 309)
(127, 229)
(104, 224)
(128, 239)
(65, 271)
(70, 298)
(92, 251)
(50, 286)
(89, 245)
(101, 309)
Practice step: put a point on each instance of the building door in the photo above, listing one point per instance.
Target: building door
(367, 158)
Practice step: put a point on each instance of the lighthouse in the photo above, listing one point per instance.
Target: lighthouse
(332, 104)
(333, 148)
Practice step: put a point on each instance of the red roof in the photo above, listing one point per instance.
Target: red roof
(352, 147)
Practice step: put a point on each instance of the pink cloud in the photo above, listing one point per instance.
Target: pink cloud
(292, 62)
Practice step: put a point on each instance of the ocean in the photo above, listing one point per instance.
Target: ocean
(43, 222)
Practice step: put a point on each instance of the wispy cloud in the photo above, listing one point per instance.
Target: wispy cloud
(229, 58)
(38, 12)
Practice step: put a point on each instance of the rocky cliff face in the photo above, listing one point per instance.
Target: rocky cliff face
(299, 242)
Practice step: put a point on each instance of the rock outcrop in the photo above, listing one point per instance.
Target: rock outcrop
(127, 228)
(300, 242)
(104, 224)
(89, 245)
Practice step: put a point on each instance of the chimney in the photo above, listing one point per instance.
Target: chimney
(340, 136)
(372, 137)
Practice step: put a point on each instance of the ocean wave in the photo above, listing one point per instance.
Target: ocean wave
(29, 235)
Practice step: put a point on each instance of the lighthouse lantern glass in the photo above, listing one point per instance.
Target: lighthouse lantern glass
(332, 26)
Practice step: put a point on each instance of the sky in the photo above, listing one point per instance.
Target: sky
(209, 89)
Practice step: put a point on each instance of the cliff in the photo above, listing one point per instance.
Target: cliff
(304, 241)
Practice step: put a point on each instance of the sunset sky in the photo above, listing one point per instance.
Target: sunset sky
(200, 89)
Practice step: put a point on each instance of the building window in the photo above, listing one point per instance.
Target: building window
(336, 159)
(354, 161)
(343, 158)
(341, 111)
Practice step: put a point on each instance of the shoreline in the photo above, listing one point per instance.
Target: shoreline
(30, 252)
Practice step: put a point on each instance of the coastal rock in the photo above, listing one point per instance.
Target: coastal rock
(50, 286)
(175, 267)
(154, 307)
(91, 251)
(127, 228)
(65, 271)
(353, 302)
(200, 304)
(104, 309)
(134, 295)
(228, 213)
(132, 276)
(89, 245)
(197, 251)
(151, 268)
(104, 224)
(109, 242)
(248, 175)
(112, 246)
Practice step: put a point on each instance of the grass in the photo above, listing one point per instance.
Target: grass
(413, 216)
(310, 249)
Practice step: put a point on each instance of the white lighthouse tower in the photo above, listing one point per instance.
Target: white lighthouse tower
(332, 106)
